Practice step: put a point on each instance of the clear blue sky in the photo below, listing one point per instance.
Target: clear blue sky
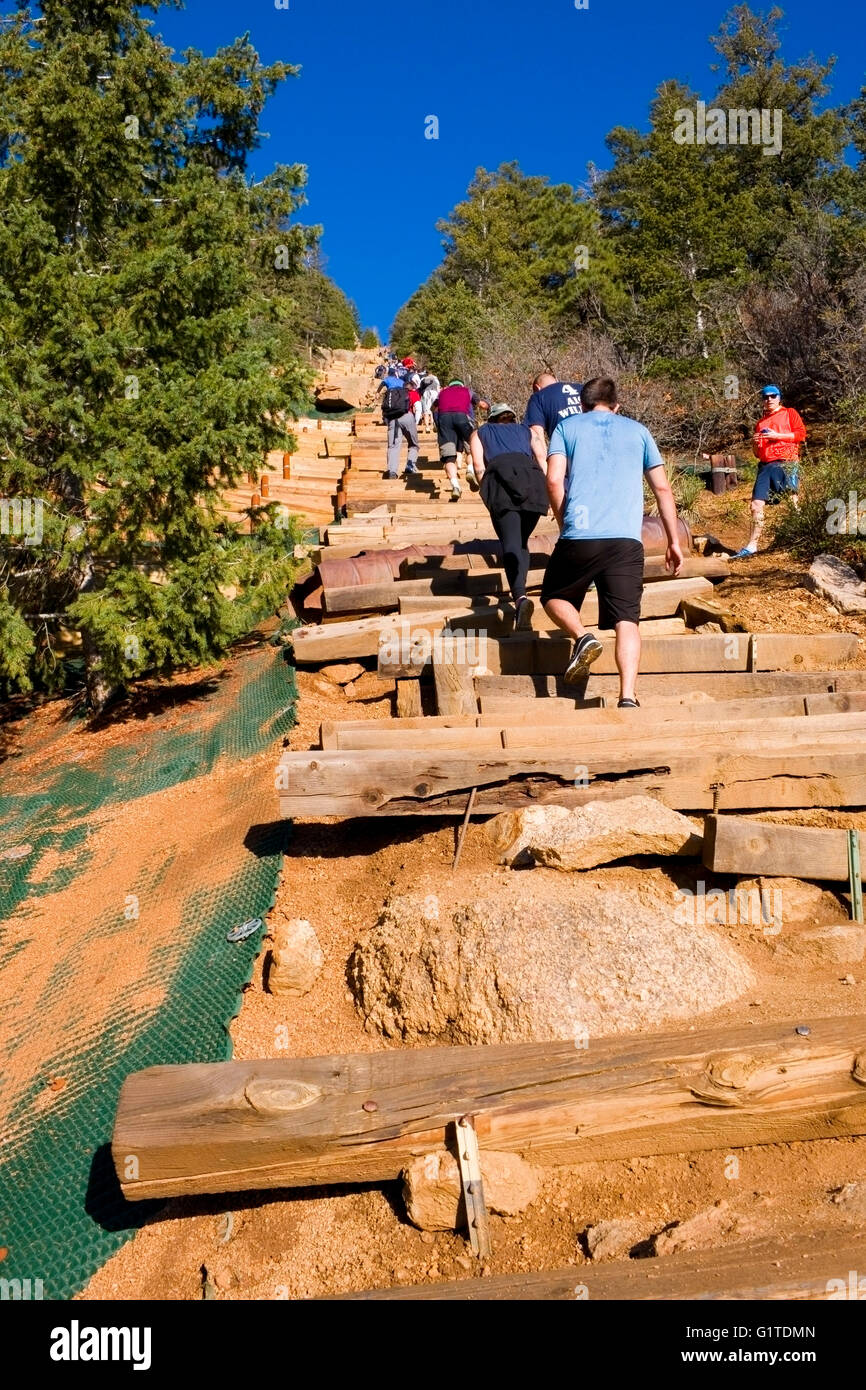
(533, 80)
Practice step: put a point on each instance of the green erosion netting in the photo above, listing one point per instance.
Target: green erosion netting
(135, 861)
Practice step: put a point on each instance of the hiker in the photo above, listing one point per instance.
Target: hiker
(514, 492)
(455, 424)
(397, 415)
(776, 445)
(550, 402)
(595, 469)
(430, 388)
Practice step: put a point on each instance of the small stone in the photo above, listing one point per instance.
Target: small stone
(702, 1229)
(848, 980)
(612, 1240)
(428, 1237)
(295, 960)
(343, 672)
(433, 1192)
(464, 1261)
(851, 1198)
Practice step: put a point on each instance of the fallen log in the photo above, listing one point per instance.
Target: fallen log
(235, 1126)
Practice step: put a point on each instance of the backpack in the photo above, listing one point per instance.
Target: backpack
(395, 403)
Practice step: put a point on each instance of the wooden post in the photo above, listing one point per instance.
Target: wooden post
(455, 688)
(266, 485)
(409, 699)
(287, 466)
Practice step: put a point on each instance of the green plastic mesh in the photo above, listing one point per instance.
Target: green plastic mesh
(135, 862)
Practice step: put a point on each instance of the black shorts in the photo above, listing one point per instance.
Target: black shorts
(616, 566)
(455, 432)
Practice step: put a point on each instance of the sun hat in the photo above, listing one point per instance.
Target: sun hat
(501, 408)
(771, 391)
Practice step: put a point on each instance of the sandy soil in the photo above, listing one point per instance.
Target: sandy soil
(305, 1243)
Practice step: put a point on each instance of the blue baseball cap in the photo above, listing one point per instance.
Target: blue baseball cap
(771, 391)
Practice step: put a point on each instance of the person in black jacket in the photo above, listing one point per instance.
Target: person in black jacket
(514, 491)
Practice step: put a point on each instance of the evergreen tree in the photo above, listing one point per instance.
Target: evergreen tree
(136, 379)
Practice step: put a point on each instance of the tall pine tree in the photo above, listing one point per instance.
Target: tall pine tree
(140, 342)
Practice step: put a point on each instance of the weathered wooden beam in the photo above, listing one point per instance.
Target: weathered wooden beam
(810, 1267)
(233, 1126)
(722, 652)
(749, 847)
(748, 777)
(721, 685)
(455, 688)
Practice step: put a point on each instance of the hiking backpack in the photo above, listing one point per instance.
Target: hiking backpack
(395, 403)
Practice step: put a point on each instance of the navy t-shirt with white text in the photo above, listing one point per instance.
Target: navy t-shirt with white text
(553, 404)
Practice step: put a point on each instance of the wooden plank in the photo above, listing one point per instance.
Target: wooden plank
(720, 686)
(549, 655)
(455, 689)
(589, 736)
(471, 738)
(233, 1126)
(748, 847)
(804, 1268)
(505, 709)
(398, 782)
(409, 699)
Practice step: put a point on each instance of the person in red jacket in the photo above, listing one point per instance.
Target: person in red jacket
(776, 445)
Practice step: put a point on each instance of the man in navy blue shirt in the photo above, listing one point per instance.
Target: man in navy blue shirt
(551, 402)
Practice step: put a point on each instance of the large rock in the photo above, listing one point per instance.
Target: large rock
(836, 582)
(295, 960)
(597, 833)
(433, 1196)
(569, 959)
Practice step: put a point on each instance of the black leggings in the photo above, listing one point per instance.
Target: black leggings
(514, 530)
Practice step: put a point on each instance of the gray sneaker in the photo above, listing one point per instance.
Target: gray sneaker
(584, 652)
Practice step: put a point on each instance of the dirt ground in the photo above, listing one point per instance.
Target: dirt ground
(303, 1244)
(307, 1243)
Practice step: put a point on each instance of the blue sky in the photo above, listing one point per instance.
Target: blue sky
(533, 80)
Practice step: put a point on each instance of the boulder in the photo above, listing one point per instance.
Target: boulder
(612, 1240)
(432, 1189)
(570, 960)
(597, 833)
(295, 960)
(833, 580)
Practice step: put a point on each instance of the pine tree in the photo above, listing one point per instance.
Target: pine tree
(140, 367)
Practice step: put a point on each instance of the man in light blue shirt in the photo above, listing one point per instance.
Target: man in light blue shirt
(596, 464)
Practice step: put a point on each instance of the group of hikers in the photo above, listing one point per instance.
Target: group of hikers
(573, 452)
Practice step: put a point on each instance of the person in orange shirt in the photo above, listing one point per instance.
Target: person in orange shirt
(776, 445)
